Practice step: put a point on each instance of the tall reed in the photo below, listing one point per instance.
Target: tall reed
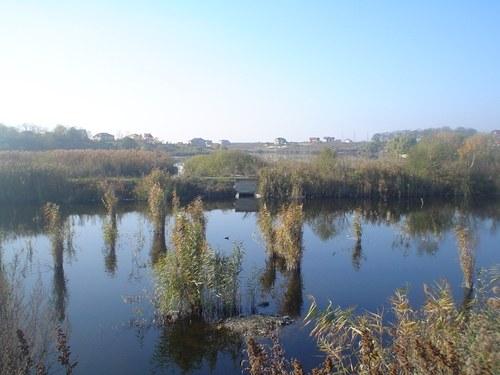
(193, 279)
(283, 236)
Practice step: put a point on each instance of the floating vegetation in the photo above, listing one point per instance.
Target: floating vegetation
(194, 280)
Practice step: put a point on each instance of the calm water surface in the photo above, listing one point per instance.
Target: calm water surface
(103, 293)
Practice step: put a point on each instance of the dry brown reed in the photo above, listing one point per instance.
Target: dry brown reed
(438, 338)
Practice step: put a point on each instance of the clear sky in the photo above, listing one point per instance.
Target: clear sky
(250, 70)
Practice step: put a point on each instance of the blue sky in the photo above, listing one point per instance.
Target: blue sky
(250, 70)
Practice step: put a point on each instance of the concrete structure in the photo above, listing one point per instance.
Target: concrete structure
(245, 187)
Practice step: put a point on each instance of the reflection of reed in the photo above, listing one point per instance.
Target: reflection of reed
(357, 252)
(110, 237)
(60, 291)
(292, 299)
(465, 244)
(110, 201)
(58, 231)
(159, 246)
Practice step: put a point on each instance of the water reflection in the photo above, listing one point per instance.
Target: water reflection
(192, 343)
(357, 251)
(60, 233)
(159, 246)
(110, 230)
(428, 230)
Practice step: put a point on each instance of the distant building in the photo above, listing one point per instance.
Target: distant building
(280, 141)
(104, 137)
(198, 142)
(224, 143)
(329, 139)
(314, 140)
(135, 137)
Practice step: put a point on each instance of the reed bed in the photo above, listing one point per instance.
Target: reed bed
(89, 163)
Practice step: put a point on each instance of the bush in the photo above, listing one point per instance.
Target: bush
(223, 164)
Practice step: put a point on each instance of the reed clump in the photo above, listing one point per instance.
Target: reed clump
(283, 235)
(438, 338)
(194, 280)
(288, 234)
(53, 221)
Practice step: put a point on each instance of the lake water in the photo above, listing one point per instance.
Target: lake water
(102, 294)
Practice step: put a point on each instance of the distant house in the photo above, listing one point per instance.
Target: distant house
(104, 137)
(280, 141)
(198, 142)
(329, 139)
(135, 137)
(314, 140)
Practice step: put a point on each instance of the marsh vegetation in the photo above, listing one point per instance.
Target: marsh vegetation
(193, 279)
(438, 338)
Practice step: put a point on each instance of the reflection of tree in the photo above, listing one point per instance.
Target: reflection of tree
(428, 226)
(190, 343)
(324, 226)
